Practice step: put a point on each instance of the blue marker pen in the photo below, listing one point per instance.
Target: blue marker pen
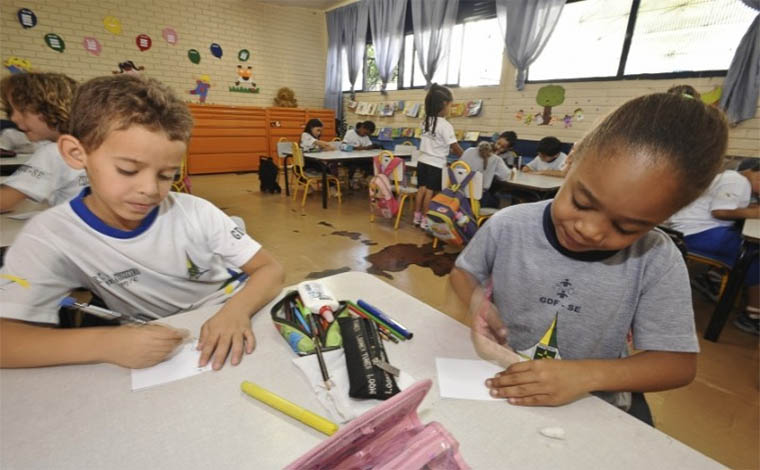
(388, 320)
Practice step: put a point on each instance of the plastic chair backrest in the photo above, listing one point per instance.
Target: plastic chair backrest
(283, 148)
(474, 190)
(404, 150)
(416, 154)
(298, 160)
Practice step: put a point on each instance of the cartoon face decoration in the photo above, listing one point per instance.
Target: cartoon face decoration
(245, 76)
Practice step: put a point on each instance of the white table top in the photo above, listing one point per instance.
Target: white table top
(534, 181)
(85, 416)
(340, 155)
(751, 229)
(19, 159)
(10, 228)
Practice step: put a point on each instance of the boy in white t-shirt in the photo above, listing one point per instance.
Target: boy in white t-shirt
(438, 140)
(709, 228)
(138, 247)
(359, 138)
(38, 103)
(550, 160)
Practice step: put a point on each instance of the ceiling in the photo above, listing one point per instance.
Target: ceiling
(313, 4)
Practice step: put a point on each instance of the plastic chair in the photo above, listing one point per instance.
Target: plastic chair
(182, 180)
(402, 191)
(474, 191)
(284, 149)
(305, 178)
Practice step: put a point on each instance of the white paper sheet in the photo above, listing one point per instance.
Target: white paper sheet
(183, 364)
(23, 215)
(465, 378)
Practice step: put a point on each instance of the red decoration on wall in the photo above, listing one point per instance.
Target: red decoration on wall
(143, 42)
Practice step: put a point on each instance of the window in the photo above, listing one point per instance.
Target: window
(359, 76)
(474, 58)
(673, 37)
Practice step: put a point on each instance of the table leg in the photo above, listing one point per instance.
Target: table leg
(324, 185)
(285, 172)
(726, 301)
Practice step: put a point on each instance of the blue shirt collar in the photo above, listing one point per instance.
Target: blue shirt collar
(80, 208)
(551, 236)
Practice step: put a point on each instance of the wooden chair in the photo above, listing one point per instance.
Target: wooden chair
(397, 177)
(182, 180)
(474, 191)
(410, 143)
(305, 178)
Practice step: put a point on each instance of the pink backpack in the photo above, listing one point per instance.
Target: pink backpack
(390, 436)
(382, 201)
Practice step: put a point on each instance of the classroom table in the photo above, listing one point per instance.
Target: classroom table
(85, 416)
(10, 227)
(9, 165)
(541, 185)
(748, 251)
(324, 158)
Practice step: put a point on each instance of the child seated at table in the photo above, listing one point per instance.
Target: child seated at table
(38, 103)
(359, 138)
(505, 148)
(709, 228)
(13, 140)
(310, 137)
(550, 159)
(596, 266)
(482, 159)
(126, 238)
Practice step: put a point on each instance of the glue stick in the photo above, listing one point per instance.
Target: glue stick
(318, 299)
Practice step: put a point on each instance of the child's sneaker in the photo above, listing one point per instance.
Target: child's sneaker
(705, 285)
(748, 324)
(417, 218)
(424, 224)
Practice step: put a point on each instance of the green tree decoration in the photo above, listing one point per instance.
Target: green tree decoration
(548, 96)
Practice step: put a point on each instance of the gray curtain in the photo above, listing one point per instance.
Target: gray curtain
(740, 88)
(333, 72)
(433, 21)
(386, 18)
(527, 26)
(355, 38)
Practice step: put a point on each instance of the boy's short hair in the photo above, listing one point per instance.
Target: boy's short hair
(509, 136)
(116, 102)
(549, 146)
(685, 90)
(46, 94)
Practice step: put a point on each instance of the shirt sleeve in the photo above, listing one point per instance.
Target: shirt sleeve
(307, 140)
(449, 135)
(224, 237)
(352, 138)
(501, 172)
(39, 177)
(478, 256)
(34, 279)
(533, 165)
(664, 317)
(733, 193)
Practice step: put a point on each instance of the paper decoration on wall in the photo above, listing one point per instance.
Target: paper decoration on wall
(129, 67)
(538, 118)
(387, 109)
(548, 96)
(385, 133)
(112, 24)
(568, 120)
(27, 18)
(92, 45)
(407, 132)
(473, 108)
(285, 98)
(376, 133)
(456, 110)
(169, 35)
(712, 96)
(459, 134)
(244, 81)
(418, 132)
(578, 114)
(372, 109)
(244, 55)
(55, 42)
(399, 105)
(17, 65)
(143, 42)
(216, 50)
(412, 109)
(201, 87)
(519, 115)
(194, 56)
(471, 136)
(396, 133)
(352, 104)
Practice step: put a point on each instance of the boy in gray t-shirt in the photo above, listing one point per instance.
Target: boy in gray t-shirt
(572, 276)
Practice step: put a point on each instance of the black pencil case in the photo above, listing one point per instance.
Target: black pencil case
(362, 346)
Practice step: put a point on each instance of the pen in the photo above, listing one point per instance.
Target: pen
(388, 320)
(301, 320)
(303, 415)
(99, 311)
(318, 349)
(366, 314)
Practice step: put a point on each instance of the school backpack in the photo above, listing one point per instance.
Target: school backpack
(451, 215)
(382, 201)
(268, 176)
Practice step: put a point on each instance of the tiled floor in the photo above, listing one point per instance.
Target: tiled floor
(717, 414)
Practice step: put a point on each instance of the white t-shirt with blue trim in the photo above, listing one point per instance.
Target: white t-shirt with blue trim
(179, 258)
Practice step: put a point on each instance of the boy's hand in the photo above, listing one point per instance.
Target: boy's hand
(137, 347)
(488, 333)
(540, 382)
(226, 332)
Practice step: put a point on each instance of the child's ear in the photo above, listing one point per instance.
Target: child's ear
(72, 151)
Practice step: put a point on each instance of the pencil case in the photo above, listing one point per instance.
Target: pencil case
(362, 347)
(390, 436)
(295, 333)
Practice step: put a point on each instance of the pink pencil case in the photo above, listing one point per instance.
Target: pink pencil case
(390, 436)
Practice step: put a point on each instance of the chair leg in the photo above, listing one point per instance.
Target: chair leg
(435, 243)
(305, 192)
(400, 211)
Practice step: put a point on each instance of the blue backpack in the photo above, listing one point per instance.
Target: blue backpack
(451, 215)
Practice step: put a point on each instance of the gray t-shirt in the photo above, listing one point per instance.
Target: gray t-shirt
(568, 305)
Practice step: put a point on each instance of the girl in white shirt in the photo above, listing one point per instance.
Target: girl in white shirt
(310, 136)
(359, 138)
(482, 159)
(438, 139)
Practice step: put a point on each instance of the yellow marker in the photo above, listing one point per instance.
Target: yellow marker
(303, 415)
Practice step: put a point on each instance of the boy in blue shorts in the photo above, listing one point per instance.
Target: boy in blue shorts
(140, 248)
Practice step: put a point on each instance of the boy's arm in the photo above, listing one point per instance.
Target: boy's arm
(749, 212)
(28, 345)
(556, 382)
(230, 329)
(10, 198)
